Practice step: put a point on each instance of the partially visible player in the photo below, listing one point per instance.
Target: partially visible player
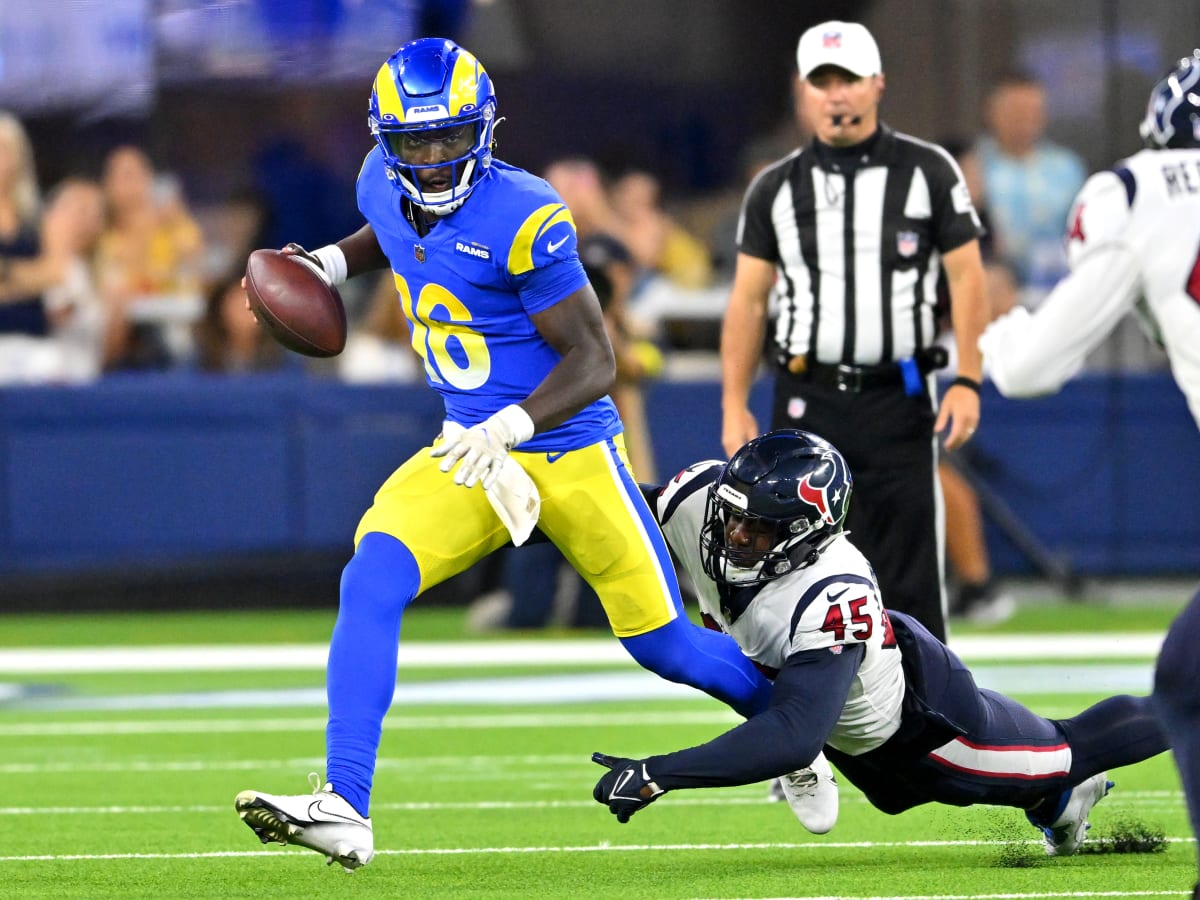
(1134, 245)
(501, 312)
(897, 712)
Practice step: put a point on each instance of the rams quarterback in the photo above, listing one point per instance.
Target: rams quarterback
(484, 259)
(896, 710)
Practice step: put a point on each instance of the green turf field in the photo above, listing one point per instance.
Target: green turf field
(120, 783)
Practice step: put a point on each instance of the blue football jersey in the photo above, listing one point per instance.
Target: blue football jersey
(469, 287)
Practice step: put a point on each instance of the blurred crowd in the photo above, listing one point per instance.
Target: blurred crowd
(115, 272)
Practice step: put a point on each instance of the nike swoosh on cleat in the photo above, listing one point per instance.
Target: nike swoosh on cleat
(326, 815)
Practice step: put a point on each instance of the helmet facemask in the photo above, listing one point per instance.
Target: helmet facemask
(793, 543)
(781, 500)
(466, 145)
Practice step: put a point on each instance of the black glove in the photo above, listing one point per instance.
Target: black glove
(626, 787)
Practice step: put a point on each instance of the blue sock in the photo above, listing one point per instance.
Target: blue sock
(377, 584)
(683, 652)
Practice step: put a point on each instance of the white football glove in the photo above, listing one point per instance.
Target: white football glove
(483, 448)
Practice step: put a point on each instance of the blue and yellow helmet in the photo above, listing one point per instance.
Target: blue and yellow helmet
(433, 108)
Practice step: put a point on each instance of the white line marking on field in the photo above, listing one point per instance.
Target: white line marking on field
(296, 853)
(538, 690)
(436, 654)
(392, 723)
(758, 798)
(1005, 896)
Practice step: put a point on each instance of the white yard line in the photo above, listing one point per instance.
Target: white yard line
(191, 658)
(751, 795)
(394, 722)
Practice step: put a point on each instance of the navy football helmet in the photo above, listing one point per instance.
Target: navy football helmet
(1173, 113)
(789, 485)
(433, 108)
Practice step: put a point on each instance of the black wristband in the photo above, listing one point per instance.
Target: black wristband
(966, 382)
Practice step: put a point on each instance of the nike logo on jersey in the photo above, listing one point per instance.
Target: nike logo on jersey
(554, 245)
(833, 597)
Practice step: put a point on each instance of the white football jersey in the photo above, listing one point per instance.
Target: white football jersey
(1134, 245)
(828, 605)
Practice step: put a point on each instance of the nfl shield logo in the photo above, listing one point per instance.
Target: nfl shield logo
(831, 39)
(907, 243)
(419, 252)
(796, 407)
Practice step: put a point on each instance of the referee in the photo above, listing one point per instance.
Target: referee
(846, 236)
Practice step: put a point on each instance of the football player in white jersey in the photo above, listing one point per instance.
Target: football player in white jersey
(1133, 244)
(893, 707)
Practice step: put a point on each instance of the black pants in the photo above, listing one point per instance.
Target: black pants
(887, 439)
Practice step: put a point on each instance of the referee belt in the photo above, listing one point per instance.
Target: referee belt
(854, 379)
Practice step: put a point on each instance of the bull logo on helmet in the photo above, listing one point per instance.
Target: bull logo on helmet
(817, 495)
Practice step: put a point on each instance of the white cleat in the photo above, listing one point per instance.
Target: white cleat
(812, 794)
(322, 821)
(1066, 833)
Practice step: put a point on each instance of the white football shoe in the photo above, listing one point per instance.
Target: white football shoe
(812, 793)
(1066, 832)
(322, 821)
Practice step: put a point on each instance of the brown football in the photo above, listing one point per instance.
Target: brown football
(295, 304)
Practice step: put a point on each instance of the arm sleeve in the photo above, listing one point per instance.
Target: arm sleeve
(806, 701)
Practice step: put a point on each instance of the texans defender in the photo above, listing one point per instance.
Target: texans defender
(896, 710)
(484, 260)
(1133, 244)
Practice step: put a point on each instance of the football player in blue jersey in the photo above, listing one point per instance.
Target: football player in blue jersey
(762, 539)
(484, 259)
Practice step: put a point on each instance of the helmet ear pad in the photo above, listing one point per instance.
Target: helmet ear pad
(793, 480)
(1172, 119)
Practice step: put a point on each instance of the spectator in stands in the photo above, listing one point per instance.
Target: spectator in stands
(722, 235)
(659, 245)
(228, 339)
(20, 207)
(62, 275)
(1030, 181)
(581, 185)
(150, 262)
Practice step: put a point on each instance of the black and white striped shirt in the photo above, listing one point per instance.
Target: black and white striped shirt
(857, 235)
